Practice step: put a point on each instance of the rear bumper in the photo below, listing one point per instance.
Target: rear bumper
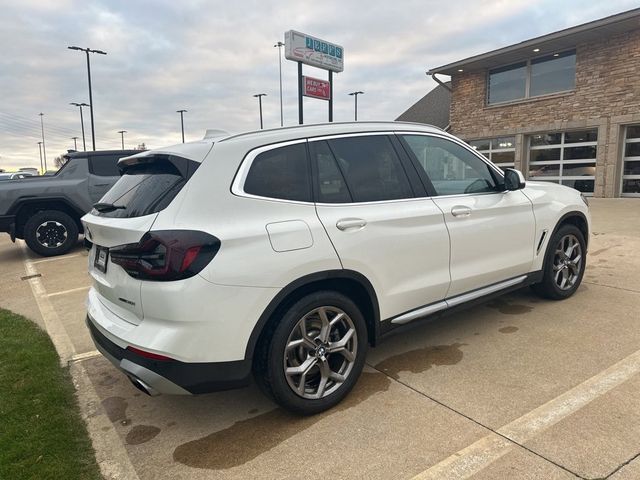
(171, 376)
(8, 224)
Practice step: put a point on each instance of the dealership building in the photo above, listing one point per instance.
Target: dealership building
(563, 107)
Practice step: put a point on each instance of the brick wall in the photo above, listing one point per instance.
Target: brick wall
(606, 95)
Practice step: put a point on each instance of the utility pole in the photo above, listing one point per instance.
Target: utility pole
(182, 112)
(44, 149)
(88, 51)
(75, 143)
(41, 166)
(122, 132)
(355, 97)
(80, 105)
(259, 97)
(280, 45)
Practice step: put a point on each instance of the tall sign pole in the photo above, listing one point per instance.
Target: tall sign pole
(303, 48)
(300, 94)
(330, 96)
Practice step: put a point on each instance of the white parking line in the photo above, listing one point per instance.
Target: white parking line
(53, 259)
(71, 290)
(78, 357)
(52, 323)
(479, 455)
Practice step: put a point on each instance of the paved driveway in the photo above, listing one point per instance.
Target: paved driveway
(516, 388)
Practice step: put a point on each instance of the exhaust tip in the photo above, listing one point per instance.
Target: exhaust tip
(143, 387)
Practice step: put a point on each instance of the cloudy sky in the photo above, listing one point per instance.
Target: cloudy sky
(210, 57)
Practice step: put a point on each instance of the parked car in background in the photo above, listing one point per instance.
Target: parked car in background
(288, 252)
(14, 175)
(45, 210)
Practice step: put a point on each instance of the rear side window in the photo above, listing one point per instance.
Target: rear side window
(371, 168)
(104, 165)
(148, 187)
(281, 173)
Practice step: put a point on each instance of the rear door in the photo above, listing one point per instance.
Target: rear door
(492, 231)
(103, 174)
(143, 190)
(379, 224)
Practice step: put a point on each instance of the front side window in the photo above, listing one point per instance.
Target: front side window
(501, 151)
(281, 173)
(539, 76)
(452, 169)
(371, 168)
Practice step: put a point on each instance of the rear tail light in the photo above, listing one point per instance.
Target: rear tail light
(150, 355)
(166, 255)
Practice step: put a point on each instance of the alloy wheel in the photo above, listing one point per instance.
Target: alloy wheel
(567, 262)
(51, 234)
(320, 352)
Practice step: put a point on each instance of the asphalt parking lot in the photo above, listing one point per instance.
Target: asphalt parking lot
(516, 388)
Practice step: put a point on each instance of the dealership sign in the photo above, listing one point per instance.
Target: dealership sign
(316, 88)
(309, 50)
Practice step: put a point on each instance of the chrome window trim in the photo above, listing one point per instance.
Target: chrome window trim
(237, 185)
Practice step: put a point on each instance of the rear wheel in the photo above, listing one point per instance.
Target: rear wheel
(564, 264)
(310, 360)
(50, 232)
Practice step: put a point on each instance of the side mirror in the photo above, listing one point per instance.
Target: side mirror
(513, 179)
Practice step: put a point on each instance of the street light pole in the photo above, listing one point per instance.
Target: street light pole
(280, 45)
(181, 112)
(122, 132)
(41, 166)
(88, 51)
(259, 97)
(355, 96)
(80, 105)
(44, 149)
(75, 143)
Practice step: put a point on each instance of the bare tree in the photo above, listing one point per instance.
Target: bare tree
(60, 160)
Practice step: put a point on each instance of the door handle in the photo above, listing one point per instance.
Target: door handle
(460, 211)
(100, 184)
(350, 223)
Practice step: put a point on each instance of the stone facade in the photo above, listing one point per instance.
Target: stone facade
(606, 96)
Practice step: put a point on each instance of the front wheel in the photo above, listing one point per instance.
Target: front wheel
(564, 264)
(312, 357)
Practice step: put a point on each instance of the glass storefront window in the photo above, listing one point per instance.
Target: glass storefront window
(631, 162)
(568, 158)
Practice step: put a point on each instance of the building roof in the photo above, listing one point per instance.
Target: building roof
(432, 109)
(550, 43)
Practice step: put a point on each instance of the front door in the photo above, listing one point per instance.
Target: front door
(492, 231)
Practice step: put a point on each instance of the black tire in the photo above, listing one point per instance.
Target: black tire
(270, 360)
(548, 287)
(50, 233)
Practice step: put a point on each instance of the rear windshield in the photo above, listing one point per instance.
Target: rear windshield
(148, 187)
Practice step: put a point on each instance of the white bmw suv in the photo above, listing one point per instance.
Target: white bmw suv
(288, 252)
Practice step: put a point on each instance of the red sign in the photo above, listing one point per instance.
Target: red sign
(316, 88)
